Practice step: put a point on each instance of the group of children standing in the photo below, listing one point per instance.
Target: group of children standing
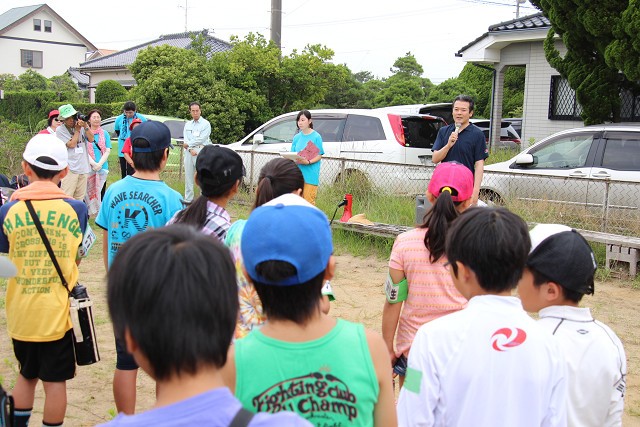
(177, 297)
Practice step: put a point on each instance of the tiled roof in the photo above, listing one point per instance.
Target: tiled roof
(527, 22)
(530, 22)
(82, 79)
(16, 14)
(126, 57)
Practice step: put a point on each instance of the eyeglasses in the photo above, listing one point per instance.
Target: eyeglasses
(57, 119)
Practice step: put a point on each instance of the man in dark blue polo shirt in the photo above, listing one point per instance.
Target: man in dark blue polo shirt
(463, 142)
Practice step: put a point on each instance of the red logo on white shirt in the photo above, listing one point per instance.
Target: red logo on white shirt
(506, 338)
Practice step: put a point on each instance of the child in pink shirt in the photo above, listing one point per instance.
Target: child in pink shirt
(419, 288)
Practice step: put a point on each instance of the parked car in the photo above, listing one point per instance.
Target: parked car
(509, 138)
(356, 134)
(441, 109)
(175, 125)
(516, 122)
(570, 168)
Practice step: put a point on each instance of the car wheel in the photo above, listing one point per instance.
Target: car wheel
(491, 198)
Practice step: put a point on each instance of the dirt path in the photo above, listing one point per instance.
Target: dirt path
(359, 298)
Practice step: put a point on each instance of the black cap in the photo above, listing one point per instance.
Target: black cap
(218, 165)
(157, 134)
(566, 259)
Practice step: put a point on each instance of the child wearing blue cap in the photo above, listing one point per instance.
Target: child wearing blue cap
(132, 205)
(330, 371)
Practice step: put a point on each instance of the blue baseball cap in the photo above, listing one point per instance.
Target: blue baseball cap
(157, 134)
(287, 228)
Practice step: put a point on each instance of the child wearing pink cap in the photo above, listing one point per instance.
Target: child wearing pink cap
(419, 288)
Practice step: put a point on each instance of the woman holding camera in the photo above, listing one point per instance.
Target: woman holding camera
(75, 133)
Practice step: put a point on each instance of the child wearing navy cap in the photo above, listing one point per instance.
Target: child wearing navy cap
(330, 371)
(559, 272)
(130, 206)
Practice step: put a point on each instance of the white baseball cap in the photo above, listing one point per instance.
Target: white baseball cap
(46, 152)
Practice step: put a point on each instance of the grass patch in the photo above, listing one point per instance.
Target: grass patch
(499, 155)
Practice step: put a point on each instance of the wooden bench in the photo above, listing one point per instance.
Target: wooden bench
(619, 248)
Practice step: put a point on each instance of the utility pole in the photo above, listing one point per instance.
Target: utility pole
(186, 11)
(276, 22)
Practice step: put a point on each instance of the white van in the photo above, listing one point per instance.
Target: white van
(355, 134)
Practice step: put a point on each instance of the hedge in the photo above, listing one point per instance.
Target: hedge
(28, 108)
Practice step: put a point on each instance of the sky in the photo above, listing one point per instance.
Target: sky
(365, 35)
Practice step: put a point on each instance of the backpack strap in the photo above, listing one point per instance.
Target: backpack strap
(45, 240)
(242, 418)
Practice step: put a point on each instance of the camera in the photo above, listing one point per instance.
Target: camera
(82, 117)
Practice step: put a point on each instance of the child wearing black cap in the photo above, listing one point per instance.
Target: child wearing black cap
(219, 171)
(130, 206)
(560, 271)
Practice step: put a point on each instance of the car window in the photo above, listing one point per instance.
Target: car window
(511, 134)
(176, 127)
(330, 129)
(564, 153)
(282, 131)
(363, 128)
(420, 132)
(110, 128)
(622, 153)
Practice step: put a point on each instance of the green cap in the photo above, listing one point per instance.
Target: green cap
(66, 111)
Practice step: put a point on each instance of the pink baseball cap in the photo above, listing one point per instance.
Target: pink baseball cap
(453, 176)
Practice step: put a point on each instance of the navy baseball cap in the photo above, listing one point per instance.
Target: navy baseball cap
(563, 256)
(157, 134)
(290, 229)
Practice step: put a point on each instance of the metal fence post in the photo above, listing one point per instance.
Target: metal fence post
(251, 174)
(605, 206)
(180, 164)
(342, 162)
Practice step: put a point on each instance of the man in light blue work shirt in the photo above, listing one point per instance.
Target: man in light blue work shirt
(196, 136)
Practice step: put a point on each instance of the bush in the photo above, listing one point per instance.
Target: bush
(13, 139)
(27, 108)
(109, 91)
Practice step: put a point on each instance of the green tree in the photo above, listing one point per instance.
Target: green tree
(623, 53)
(405, 85)
(8, 82)
(31, 80)
(110, 91)
(481, 80)
(449, 89)
(64, 87)
(587, 29)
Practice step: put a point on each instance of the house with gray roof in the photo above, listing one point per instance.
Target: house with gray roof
(115, 66)
(37, 37)
(550, 104)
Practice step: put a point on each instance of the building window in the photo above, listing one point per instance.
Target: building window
(629, 106)
(36, 25)
(47, 26)
(562, 101)
(31, 58)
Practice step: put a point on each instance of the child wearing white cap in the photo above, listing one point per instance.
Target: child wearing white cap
(559, 272)
(37, 302)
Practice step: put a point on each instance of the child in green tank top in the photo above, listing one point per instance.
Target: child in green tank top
(332, 372)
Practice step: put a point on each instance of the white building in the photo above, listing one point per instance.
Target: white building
(37, 37)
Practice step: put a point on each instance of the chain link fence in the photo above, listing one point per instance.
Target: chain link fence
(386, 193)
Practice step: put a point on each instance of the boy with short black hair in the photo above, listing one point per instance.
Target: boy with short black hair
(130, 206)
(332, 372)
(37, 302)
(560, 271)
(177, 319)
(488, 364)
